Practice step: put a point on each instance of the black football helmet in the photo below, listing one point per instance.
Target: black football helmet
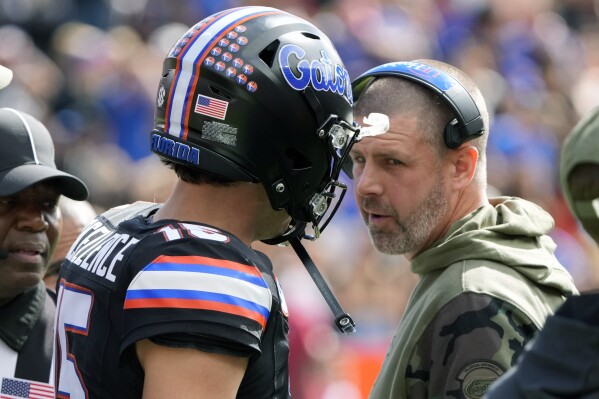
(257, 94)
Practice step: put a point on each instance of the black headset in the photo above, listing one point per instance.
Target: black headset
(468, 123)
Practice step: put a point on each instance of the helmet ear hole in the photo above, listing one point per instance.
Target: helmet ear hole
(268, 54)
(219, 92)
(311, 35)
(297, 160)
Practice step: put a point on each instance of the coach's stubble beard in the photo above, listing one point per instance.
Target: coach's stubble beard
(409, 233)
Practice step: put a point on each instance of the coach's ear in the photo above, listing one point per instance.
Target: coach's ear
(463, 162)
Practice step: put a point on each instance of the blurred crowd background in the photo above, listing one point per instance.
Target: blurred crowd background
(89, 70)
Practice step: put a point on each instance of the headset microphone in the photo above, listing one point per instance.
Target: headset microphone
(3, 254)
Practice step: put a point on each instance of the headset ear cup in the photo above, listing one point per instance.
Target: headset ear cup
(451, 135)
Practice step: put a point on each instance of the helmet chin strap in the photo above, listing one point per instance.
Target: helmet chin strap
(343, 321)
(295, 229)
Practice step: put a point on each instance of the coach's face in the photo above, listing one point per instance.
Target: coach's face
(29, 230)
(399, 188)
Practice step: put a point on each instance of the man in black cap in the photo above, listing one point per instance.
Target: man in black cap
(30, 186)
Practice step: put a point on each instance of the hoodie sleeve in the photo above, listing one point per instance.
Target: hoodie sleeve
(470, 343)
(562, 361)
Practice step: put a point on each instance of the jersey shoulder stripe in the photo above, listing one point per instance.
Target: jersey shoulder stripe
(197, 300)
(202, 264)
(194, 282)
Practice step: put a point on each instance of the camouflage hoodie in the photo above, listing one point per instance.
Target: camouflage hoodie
(486, 288)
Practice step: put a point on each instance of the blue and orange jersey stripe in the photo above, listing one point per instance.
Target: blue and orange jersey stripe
(197, 282)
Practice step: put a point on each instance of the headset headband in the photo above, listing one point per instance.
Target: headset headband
(468, 124)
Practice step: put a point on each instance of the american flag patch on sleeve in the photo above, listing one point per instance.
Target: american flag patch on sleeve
(15, 388)
(210, 106)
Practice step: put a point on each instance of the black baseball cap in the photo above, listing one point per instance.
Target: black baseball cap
(27, 157)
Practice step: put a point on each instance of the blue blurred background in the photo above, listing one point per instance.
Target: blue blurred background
(89, 70)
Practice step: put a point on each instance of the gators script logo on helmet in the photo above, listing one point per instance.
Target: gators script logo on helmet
(321, 74)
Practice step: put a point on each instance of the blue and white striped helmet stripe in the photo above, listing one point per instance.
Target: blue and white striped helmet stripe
(184, 80)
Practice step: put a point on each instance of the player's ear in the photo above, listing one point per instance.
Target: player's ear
(464, 161)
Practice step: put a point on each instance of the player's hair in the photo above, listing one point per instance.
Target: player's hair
(196, 176)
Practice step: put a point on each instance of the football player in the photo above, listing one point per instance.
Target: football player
(254, 114)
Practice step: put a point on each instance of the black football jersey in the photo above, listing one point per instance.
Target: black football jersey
(176, 283)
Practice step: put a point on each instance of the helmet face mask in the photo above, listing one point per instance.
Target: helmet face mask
(257, 94)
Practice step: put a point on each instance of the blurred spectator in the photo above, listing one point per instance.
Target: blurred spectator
(75, 215)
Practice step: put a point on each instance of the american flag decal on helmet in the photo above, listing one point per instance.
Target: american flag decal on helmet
(248, 69)
(242, 79)
(237, 62)
(209, 61)
(210, 106)
(252, 86)
(231, 72)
